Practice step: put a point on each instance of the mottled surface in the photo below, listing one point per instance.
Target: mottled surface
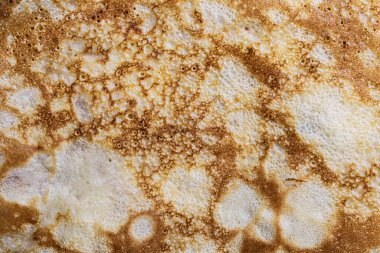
(189, 126)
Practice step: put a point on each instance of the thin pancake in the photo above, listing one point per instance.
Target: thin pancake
(189, 126)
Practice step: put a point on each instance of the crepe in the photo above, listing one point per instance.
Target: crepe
(189, 126)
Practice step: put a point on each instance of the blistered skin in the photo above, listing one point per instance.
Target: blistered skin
(189, 126)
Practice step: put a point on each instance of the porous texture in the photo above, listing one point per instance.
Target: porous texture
(189, 126)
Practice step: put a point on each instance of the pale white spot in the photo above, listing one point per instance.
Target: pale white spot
(35, 135)
(25, 100)
(60, 104)
(116, 57)
(322, 54)
(245, 126)
(55, 12)
(235, 82)
(20, 241)
(308, 215)
(91, 184)
(369, 58)
(27, 183)
(187, 13)
(188, 190)
(67, 130)
(148, 17)
(80, 237)
(12, 60)
(216, 15)
(7, 120)
(316, 3)
(341, 127)
(142, 228)
(72, 47)
(277, 16)
(82, 107)
(92, 65)
(41, 65)
(67, 76)
(238, 207)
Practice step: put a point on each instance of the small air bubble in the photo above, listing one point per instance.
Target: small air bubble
(82, 77)
(129, 116)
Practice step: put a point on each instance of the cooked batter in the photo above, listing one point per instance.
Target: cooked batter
(189, 126)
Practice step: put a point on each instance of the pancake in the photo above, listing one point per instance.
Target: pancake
(189, 126)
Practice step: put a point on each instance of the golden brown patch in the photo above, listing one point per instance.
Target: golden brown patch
(13, 216)
(15, 153)
(123, 242)
(135, 130)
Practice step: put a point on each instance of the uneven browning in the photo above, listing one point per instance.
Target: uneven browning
(189, 126)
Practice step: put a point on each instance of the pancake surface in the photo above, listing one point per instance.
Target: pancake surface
(189, 126)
